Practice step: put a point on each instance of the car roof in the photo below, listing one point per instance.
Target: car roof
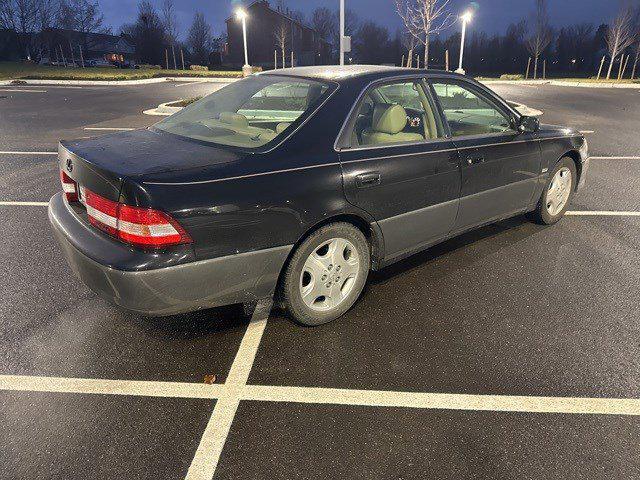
(340, 73)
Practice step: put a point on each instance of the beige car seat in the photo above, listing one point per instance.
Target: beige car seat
(387, 126)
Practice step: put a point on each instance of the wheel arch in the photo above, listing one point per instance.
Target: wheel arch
(575, 156)
(371, 231)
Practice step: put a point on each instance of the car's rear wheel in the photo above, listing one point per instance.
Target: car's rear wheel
(557, 195)
(326, 274)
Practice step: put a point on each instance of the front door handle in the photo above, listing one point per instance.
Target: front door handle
(369, 179)
(475, 160)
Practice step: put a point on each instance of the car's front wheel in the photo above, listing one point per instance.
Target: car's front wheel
(326, 274)
(558, 193)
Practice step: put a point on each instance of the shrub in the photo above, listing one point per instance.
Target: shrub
(150, 67)
(199, 68)
(511, 76)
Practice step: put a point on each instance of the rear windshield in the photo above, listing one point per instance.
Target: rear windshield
(248, 113)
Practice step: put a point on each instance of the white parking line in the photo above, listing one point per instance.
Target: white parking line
(446, 401)
(109, 387)
(614, 158)
(21, 90)
(584, 132)
(328, 396)
(8, 152)
(109, 128)
(24, 204)
(591, 213)
(205, 461)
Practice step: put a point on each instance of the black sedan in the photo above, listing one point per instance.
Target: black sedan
(297, 183)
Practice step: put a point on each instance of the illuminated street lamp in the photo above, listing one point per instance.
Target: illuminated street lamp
(242, 16)
(465, 18)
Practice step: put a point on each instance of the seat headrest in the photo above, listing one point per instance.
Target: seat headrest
(282, 126)
(235, 119)
(389, 119)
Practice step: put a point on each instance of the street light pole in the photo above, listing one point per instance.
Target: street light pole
(242, 16)
(465, 17)
(341, 32)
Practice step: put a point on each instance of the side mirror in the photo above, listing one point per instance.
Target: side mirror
(528, 124)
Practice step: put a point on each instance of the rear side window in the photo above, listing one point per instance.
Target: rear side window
(395, 113)
(469, 113)
(249, 113)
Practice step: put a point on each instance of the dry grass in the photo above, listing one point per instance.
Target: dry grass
(17, 70)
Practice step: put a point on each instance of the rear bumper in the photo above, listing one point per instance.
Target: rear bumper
(162, 291)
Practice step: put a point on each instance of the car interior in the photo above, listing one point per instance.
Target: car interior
(396, 113)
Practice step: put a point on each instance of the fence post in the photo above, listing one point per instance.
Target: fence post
(526, 76)
(166, 58)
(182, 58)
(446, 60)
(291, 58)
(275, 59)
(544, 69)
(402, 62)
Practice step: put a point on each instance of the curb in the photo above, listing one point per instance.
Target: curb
(143, 81)
(163, 110)
(561, 83)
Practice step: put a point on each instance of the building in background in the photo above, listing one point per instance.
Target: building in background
(263, 24)
(56, 42)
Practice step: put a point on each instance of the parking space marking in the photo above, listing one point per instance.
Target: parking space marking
(597, 213)
(614, 158)
(24, 204)
(584, 132)
(29, 383)
(205, 460)
(21, 90)
(446, 401)
(109, 128)
(8, 152)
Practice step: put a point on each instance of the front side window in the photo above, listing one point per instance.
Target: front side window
(395, 113)
(468, 113)
(249, 113)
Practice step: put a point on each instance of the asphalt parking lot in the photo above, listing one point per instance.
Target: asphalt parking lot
(512, 352)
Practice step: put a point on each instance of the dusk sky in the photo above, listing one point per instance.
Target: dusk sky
(491, 15)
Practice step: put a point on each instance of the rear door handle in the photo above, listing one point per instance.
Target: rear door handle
(475, 160)
(369, 179)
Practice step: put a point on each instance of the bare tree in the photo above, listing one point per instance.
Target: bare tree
(281, 35)
(324, 23)
(409, 42)
(636, 30)
(620, 35)
(171, 26)
(541, 35)
(82, 16)
(423, 18)
(23, 16)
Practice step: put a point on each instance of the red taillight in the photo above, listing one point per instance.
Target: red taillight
(69, 187)
(143, 227)
(148, 227)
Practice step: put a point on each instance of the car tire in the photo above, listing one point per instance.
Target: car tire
(326, 274)
(557, 194)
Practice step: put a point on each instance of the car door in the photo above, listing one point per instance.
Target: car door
(399, 167)
(499, 165)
